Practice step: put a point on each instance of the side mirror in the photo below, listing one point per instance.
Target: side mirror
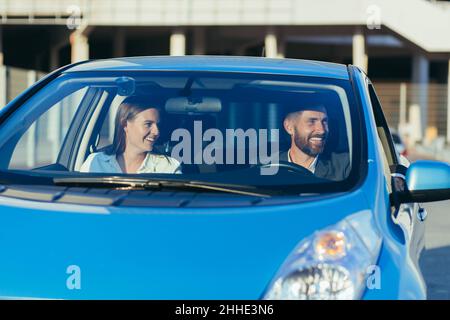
(427, 181)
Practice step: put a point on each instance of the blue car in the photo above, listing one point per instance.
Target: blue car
(208, 178)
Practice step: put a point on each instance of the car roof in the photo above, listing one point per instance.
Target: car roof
(217, 64)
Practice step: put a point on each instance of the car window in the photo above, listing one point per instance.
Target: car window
(384, 139)
(252, 129)
(382, 128)
(41, 142)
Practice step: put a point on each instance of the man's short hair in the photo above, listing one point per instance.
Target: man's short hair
(296, 111)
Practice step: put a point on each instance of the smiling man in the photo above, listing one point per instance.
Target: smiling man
(308, 130)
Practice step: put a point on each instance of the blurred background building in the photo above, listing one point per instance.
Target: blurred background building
(403, 45)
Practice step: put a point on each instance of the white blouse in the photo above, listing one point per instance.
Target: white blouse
(101, 162)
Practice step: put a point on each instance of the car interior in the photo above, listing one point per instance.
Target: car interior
(244, 105)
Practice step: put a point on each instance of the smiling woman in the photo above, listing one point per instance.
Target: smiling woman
(136, 131)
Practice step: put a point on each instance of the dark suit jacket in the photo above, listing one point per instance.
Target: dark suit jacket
(334, 166)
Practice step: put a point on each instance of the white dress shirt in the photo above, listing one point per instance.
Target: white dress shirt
(101, 162)
(312, 166)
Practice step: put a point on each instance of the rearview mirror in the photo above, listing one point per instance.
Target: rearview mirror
(427, 181)
(194, 105)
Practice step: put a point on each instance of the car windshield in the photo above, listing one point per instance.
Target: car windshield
(266, 131)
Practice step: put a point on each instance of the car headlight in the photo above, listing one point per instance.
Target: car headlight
(330, 264)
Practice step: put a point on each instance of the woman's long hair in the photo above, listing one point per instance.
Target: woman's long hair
(127, 111)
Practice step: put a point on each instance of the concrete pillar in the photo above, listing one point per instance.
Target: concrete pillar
(119, 43)
(178, 42)
(32, 132)
(31, 146)
(359, 50)
(402, 104)
(274, 121)
(199, 41)
(448, 102)
(270, 44)
(3, 88)
(79, 46)
(1, 46)
(403, 126)
(415, 125)
(420, 79)
(55, 127)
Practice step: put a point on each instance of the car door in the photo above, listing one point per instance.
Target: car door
(408, 216)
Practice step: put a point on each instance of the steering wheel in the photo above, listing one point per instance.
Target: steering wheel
(285, 165)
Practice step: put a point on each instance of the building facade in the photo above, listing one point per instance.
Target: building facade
(403, 45)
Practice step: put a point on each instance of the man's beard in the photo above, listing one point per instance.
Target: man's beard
(305, 145)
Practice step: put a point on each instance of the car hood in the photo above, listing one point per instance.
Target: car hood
(154, 253)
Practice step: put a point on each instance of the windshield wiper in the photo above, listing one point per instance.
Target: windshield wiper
(132, 183)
